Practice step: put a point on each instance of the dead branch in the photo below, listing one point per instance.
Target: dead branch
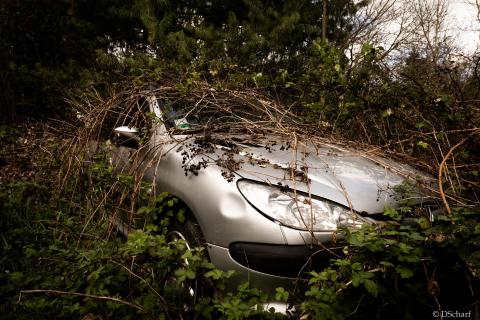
(442, 166)
(85, 295)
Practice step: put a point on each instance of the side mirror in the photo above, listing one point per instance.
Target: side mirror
(127, 136)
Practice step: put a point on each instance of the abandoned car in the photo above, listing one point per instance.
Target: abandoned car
(266, 207)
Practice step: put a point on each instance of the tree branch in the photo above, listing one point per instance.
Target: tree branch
(76, 294)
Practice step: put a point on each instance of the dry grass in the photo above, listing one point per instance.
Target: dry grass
(226, 115)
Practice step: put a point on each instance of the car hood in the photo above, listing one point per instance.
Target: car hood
(356, 179)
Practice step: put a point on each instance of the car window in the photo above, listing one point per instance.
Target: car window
(179, 117)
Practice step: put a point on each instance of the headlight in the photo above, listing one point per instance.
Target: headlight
(300, 212)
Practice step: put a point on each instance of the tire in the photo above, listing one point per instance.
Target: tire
(189, 230)
(185, 295)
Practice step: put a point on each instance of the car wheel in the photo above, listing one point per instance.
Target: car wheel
(189, 231)
(186, 294)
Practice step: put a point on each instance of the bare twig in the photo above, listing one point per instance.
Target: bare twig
(442, 166)
(85, 295)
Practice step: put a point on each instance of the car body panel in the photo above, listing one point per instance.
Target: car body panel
(356, 180)
(221, 258)
(224, 214)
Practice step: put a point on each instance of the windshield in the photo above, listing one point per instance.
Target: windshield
(181, 118)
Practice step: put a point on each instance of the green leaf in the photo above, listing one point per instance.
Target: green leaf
(371, 287)
(190, 274)
(181, 275)
(405, 248)
(420, 125)
(386, 263)
(422, 144)
(477, 229)
(181, 216)
(404, 272)
(214, 274)
(16, 277)
(392, 213)
(357, 266)
(356, 239)
(356, 279)
(145, 210)
(366, 275)
(387, 113)
(342, 262)
(281, 294)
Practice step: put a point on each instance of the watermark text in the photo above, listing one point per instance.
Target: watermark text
(445, 314)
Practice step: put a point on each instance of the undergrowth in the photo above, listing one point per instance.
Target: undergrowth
(56, 262)
(62, 256)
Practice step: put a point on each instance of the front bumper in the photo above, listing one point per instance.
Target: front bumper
(220, 257)
(291, 261)
(267, 266)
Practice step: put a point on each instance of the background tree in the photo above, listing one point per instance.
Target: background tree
(49, 46)
(261, 36)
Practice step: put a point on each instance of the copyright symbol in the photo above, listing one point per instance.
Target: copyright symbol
(436, 314)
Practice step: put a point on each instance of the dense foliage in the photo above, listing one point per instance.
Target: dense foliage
(60, 256)
(48, 47)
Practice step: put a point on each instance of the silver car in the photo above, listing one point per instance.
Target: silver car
(266, 206)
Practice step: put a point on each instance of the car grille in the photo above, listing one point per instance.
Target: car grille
(284, 260)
